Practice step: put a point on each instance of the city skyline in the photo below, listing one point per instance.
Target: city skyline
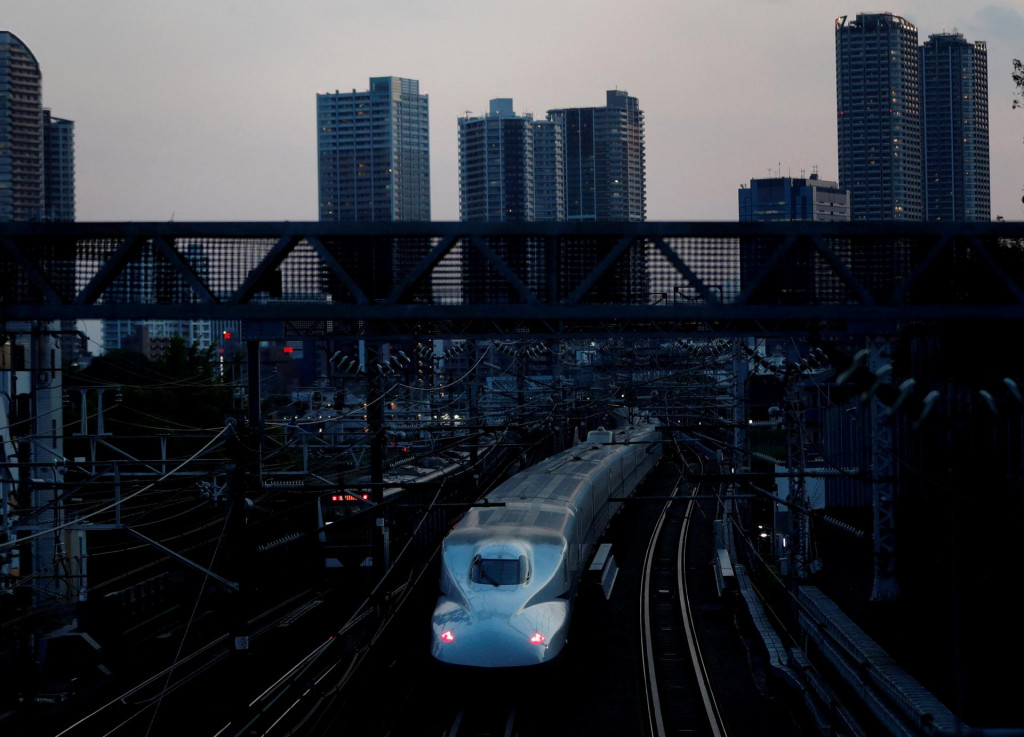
(203, 112)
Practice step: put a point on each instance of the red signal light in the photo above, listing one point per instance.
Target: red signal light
(227, 335)
(447, 636)
(537, 639)
(288, 349)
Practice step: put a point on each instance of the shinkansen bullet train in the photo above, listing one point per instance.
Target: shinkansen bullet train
(510, 569)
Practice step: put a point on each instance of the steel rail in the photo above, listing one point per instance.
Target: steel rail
(654, 714)
(711, 709)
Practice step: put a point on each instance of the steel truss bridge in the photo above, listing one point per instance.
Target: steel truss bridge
(388, 280)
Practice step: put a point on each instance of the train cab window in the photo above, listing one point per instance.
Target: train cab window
(499, 571)
(335, 507)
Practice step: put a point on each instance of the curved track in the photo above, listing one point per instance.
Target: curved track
(680, 696)
(374, 675)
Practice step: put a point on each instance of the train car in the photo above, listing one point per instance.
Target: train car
(344, 521)
(511, 567)
(343, 529)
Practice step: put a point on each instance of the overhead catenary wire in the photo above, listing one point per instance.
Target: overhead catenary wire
(107, 507)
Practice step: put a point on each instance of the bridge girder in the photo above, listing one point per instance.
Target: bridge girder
(487, 279)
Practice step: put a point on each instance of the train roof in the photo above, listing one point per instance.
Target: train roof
(559, 478)
(542, 521)
(543, 497)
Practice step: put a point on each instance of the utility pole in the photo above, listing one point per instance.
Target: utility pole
(238, 444)
(474, 398)
(243, 444)
(378, 447)
(796, 461)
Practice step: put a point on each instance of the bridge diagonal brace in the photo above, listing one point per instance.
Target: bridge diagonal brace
(423, 268)
(30, 268)
(503, 268)
(841, 270)
(601, 269)
(184, 268)
(997, 271)
(285, 244)
(765, 269)
(337, 269)
(683, 268)
(106, 274)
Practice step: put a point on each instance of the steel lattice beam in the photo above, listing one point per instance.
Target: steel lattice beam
(500, 278)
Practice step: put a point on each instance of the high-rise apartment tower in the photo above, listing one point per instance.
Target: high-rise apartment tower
(954, 103)
(58, 168)
(21, 131)
(496, 165)
(878, 110)
(374, 153)
(605, 174)
(510, 166)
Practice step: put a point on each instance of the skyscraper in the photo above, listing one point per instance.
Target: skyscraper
(954, 103)
(374, 153)
(21, 131)
(548, 171)
(605, 174)
(510, 170)
(496, 180)
(58, 168)
(878, 106)
(511, 167)
(605, 180)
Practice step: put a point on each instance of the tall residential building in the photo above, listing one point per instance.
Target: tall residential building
(793, 198)
(511, 167)
(605, 180)
(878, 106)
(510, 170)
(548, 171)
(21, 131)
(373, 153)
(954, 102)
(58, 168)
(496, 181)
(605, 174)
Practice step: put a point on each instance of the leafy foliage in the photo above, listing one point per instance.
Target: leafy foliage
(179, 392)
(1018, 81)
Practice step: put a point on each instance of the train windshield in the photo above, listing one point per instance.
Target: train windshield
(335, 507)
(499, 571)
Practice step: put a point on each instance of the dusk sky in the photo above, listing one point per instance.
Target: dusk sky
(206, 109)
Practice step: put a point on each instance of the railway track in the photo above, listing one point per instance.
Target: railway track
(389, 686)
(483, 722)
(209, 683)
(594, 688)
(680, 695)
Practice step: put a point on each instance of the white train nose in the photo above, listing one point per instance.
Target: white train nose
(531, 637)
